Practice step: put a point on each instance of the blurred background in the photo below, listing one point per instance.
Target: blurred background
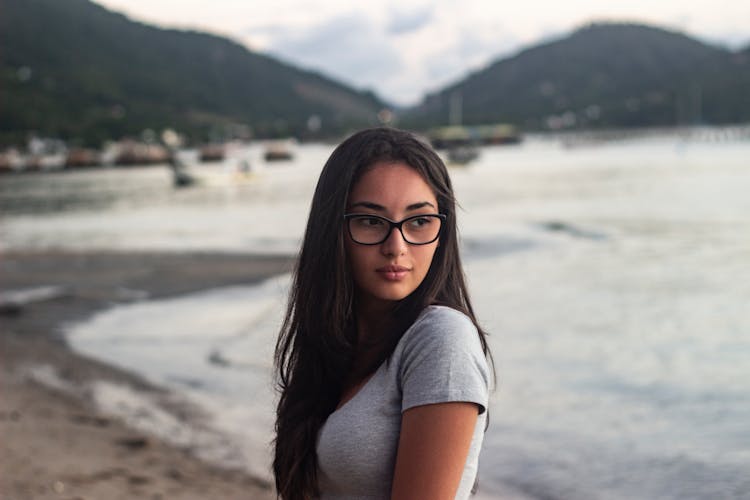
(157, 160)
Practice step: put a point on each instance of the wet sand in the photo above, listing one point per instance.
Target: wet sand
(54, 442)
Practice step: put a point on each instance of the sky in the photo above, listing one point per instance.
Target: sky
(404, 49)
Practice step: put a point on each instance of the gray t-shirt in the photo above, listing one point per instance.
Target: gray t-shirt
(438, 359)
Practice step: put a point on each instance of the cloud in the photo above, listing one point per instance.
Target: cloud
(350, 47)
(470, 52)
(407, 21)
(404, 48)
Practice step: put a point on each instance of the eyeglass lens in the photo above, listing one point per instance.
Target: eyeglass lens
(372, 229)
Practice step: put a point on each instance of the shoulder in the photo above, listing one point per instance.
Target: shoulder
(440, 336)
(443, 313)
(440, 359)
(441, 326)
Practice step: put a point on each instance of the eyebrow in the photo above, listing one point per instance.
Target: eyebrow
(381, 208)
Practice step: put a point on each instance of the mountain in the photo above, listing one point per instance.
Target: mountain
(73, 69)
(602, 75)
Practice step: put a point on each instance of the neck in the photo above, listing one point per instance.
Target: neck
(374, 322)
(372, 316)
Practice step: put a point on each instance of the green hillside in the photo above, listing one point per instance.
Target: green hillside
(603, 75)
(72, 69)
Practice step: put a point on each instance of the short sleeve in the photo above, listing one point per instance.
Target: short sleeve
(442, 361)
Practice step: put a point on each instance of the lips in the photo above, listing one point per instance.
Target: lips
(393, 273)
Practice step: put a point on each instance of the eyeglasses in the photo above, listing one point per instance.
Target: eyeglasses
(369, 229)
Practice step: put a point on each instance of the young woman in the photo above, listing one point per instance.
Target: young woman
(382, 368)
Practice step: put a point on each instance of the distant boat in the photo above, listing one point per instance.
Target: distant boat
(461, 135)
(82, 157)
(11, 161)
(130, 152)
(43, 162)
(212, 153)
(278, 151)
(45, 154)
(180, 178)
(234, 169)
(461, 155)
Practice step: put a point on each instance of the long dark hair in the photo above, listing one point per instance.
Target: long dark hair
(318, 337)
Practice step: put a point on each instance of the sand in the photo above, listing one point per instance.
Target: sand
(54, 442)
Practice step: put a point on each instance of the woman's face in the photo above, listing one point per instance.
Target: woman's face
(393, 269)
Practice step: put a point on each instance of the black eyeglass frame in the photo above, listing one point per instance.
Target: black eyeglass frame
(348, 217)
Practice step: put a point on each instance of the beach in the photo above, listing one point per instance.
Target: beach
(54, 441)
(611, 277)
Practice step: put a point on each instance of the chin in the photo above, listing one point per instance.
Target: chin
(394, 294)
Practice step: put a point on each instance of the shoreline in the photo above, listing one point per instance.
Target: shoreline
(54, 442)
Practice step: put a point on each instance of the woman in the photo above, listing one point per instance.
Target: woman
(381, 364)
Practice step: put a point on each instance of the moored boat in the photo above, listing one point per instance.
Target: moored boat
(459, 135)
(212, 153)
(278, 151)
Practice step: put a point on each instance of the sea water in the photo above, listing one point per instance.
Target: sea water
(613, 279)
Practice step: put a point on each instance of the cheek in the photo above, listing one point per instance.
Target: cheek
(424, 256)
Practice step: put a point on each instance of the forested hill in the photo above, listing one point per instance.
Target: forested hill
(603, 75)
(72, 69)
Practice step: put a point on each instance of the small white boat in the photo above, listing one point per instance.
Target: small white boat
(235, 168)
(278, 151)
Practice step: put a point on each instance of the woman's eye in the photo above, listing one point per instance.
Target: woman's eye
(370, 221)
(420, 222)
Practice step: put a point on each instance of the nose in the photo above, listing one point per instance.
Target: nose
(394, 244)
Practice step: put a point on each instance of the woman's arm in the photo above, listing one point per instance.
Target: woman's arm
(432, 450)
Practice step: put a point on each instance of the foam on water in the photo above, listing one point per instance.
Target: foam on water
(214, 347)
